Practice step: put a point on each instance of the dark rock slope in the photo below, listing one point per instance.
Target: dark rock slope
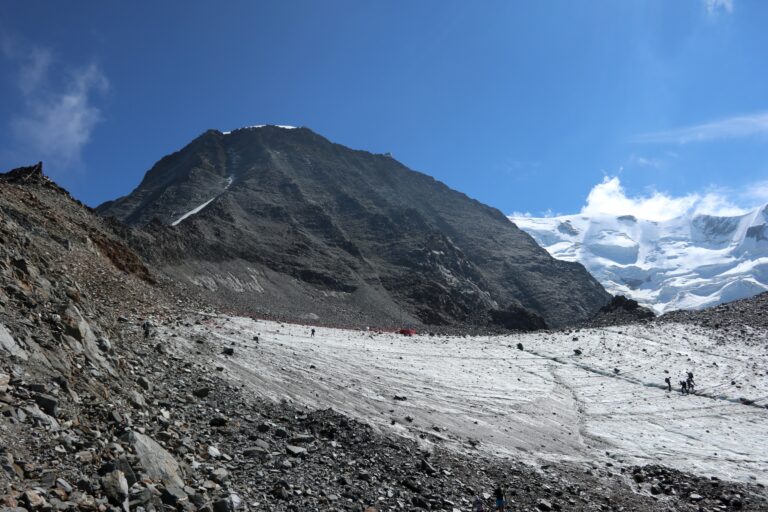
(741, 315)
(295, 225)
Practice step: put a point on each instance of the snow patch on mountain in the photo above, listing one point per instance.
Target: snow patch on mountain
(191, 212)
(688, 262)
(200, 208)
(254, 126)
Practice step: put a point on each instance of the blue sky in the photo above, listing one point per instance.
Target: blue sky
(526, 106)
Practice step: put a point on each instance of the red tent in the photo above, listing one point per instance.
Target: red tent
(407, 332)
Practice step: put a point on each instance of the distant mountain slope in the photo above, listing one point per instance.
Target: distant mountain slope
(283, 221)
(689, 262)
(742, 316)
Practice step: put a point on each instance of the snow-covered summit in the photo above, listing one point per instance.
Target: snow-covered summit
(688, 262)
(254, 126)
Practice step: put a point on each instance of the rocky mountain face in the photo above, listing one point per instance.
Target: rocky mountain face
(281, 221)
(690, 262)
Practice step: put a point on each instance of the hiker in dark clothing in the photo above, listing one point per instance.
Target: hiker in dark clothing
(500, 501)
(147, 326)
(683, 387)
(669, 383)
(477, 504)
(313, 332)
(690, 382)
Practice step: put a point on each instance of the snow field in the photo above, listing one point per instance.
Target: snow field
(541, 403)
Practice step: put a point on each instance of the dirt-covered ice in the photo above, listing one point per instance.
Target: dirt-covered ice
(542, 402)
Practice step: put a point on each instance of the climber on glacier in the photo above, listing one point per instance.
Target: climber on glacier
(147, 326)
(501, 501)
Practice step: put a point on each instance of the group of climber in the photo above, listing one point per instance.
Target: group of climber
(687, 386)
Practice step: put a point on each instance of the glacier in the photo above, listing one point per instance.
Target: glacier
(688, 262)
(546, 403)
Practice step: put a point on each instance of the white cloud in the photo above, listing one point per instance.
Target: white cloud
(549, 212)
(641, 161)
(719, 204)
(58, 111)
(528, 215)
(757, 192)
(34, 70)
(716, 6)
(730, 128)
(610, 198)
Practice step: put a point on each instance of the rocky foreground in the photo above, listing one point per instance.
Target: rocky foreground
(179, 435)
(98, 413)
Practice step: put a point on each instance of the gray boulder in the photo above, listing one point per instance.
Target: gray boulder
(157, 463)
(9, 345)
(115, 487)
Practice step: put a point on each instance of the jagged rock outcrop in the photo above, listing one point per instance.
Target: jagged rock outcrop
(620, 310)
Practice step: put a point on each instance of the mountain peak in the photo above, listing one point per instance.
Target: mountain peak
(285, 218)
(28, 174)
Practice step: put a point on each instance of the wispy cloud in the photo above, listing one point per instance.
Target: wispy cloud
(58, 110)
(730, 128)
(717, 6)
(642, 161)
(34, 70)
(757, 192)
(610, 198)
(546, 213)
(519, 214)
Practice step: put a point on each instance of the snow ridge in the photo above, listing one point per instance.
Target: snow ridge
(254, 126)
(688, 262)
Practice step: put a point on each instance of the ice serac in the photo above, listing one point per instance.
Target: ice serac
(284, 222)
(689, 262)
